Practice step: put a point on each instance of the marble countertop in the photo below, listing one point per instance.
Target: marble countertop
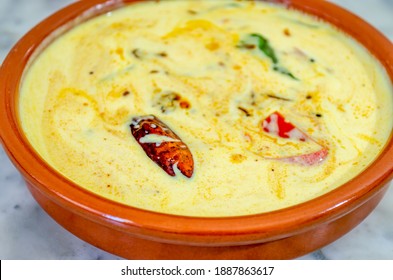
(27, 232)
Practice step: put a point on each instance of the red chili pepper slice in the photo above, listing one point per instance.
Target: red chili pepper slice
(276, 124)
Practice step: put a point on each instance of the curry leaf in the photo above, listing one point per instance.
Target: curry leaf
(256, 40)
(264, 46)
(284, 71)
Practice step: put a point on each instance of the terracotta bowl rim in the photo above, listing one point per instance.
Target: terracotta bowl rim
(275, 224)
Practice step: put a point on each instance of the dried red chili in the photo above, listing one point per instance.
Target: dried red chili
(162, 145)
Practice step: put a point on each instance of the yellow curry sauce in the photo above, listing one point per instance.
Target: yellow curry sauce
(225, 77)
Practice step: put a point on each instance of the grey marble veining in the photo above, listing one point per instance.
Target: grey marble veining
(27, 232)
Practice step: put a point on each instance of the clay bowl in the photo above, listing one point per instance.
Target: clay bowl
(137, 234)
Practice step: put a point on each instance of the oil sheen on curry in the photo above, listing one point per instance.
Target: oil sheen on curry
(207, 108)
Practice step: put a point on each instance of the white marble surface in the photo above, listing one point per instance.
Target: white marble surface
(27, 232)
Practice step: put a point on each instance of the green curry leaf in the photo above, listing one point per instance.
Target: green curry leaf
(284, 71)
(265, 47)
(256, 40)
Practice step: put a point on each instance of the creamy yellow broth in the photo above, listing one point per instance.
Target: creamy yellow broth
(196, 67)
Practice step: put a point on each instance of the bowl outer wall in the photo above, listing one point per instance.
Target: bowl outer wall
(171, 228)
